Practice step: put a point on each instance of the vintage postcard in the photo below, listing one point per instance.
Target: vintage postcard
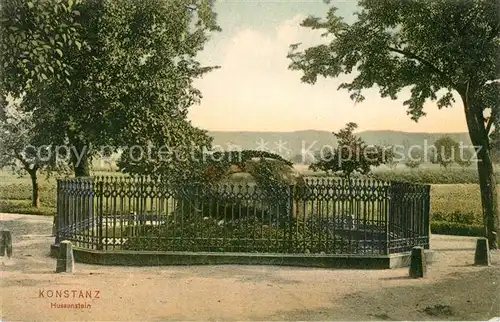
(249, 160)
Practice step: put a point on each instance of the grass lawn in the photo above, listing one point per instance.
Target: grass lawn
(24, 207)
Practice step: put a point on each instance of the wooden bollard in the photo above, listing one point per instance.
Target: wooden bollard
(65, 260)
(482, 255)
(6, 243)
(418, 265)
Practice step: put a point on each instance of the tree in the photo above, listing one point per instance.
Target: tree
(415, 158)
(390, 157)
(21, 149)
(465, 160)
(413, 164)
(447, 151)
(429, 46)
(351, 155)
(129, 81)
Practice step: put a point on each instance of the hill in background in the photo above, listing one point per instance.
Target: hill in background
(292, 143)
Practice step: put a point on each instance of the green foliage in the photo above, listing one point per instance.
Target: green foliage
(250, 235)
(25, 151)
(459, 217)
(390, 157)
(429, 176)
(23, 191)
(134, 64)
(413, 164)
(456, 210)
(428, 45)
(459, 198)
(22, 149)
(216, 164)
(351, 155)
(25, 207)
(274, 178)
(452, 228)
(414, 159)
(35, 36)
(440, 46)
(466, 161)
(271, 174)
(457, 222)
(448, 151)
(16, 134)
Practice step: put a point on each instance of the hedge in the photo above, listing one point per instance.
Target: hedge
(458, 217)
(458, 229)
(24, 207)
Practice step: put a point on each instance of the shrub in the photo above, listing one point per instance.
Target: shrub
(24, 207)
(430, 176)
(22, 191)
(423, 175)
(458, 229)
(18, 191)
(413, 164)
(355, 154)
(467, 218)
(196, 233)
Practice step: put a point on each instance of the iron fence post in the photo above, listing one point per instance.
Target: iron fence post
(91, 211)
(291, 216)
(58, 212)
(388, 201)
(427, 222)
(99, 215)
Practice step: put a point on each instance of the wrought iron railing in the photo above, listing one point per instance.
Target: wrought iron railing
(322, 216)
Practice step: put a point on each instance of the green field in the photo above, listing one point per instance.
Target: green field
(15, 193)
(453, 198)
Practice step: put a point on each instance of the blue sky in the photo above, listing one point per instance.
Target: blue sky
(254, 90)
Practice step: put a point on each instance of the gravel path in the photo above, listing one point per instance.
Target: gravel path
(453, 290)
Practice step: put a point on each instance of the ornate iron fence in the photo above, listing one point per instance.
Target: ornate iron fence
(322, 216)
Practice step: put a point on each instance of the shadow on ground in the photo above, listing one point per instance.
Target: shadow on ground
(445, 300)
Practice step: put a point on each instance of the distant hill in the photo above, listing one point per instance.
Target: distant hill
(292, 143)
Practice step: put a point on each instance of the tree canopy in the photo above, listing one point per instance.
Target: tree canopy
(351, 155)
(448, 152)
(129, 78)
(24, 151)
(435, 48)
(35, 34)
(426, 45)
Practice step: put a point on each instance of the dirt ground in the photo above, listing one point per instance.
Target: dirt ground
(453, 290)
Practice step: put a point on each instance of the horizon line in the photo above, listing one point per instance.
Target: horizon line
(329, 131)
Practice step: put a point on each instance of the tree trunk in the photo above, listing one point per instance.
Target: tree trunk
(82, 169)
(35, 197)
(489, 198)
(80, 160)
(487, 180)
